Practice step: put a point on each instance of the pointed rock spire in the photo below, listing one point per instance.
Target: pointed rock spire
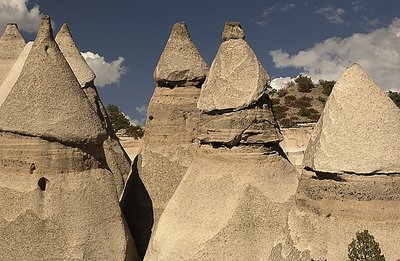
(11, 45)
(47, 100)
(358, 131)
(71, 52)
(14, 73)
(180, 63)
(236, 79)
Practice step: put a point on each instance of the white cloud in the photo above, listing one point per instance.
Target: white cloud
(106, 72)
(357, 6)
(282, 8)
(333, 15)
(377, 51)
(142, 110)
(281, 82)
(133, 122)
(16, 11)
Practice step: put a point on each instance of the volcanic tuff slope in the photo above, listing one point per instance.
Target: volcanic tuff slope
(58, 198)
(234, 199)
(117, 159)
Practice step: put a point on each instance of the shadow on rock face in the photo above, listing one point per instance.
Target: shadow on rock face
(138, 209)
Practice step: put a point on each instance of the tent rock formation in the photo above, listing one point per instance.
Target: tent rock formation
(117, 159)
(11, 45)
(352, 176)
(233, 201)
(58, 198)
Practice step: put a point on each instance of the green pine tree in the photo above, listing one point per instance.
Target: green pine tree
(365, 248)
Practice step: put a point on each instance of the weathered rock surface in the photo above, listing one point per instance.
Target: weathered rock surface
(233, 202)
(11, 45)
(14, 73)
(59, 112)
(330, 210)
(294, 143)
(58, 203)
(168, 142)
(180, 62)
(117, 159)
(232, 30)
(352, 180)
(235, 71)
(249, 126)
(358, 131)
(68, 47)
(58, 198)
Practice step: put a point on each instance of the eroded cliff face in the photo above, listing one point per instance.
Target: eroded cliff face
(117, 159)
(59, 199)
(351, 180)
(233, 202)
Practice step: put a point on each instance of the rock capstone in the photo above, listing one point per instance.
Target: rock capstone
(235, 70)
(180, 63)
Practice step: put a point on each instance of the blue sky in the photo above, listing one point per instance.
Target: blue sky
(126, 37)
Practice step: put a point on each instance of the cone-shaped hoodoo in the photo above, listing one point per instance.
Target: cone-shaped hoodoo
(47, 100)
(58, 198)
(233, 201)
(11, 45)
(68, 47)
(168, 143)
(116, 158)
(351, 181)
(358, 131)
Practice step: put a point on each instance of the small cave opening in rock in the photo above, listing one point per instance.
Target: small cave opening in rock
(42, 183)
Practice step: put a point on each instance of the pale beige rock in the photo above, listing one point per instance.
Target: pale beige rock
(358, 131)
(116, 158)
(47, 100)
(11, 45)
(59, 199)
(180, 62)
(233, 201)
(294, 143)
(58, 203)
(232, 204)
(168, 142)
(236, 79)
(68, 47)
(14, 73)
(329, 211)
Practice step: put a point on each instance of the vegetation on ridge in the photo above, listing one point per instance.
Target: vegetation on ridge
(120, 122)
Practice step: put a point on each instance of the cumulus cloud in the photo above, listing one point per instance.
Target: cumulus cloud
(377, 51)
(16, 11)
(142, 110)
(333, 15)
(281, 82)
(106, 72)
